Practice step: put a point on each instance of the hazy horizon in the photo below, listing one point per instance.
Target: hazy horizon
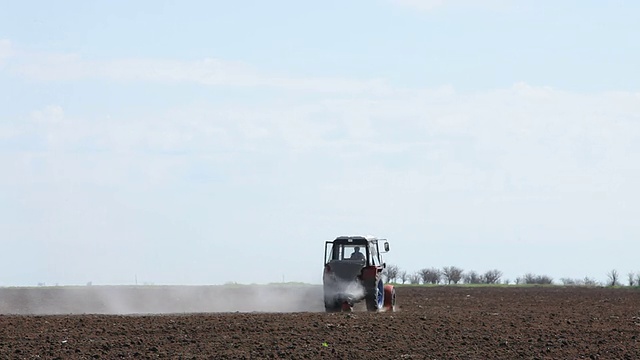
(212, 142)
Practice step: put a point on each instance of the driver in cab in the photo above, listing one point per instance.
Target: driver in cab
(357, 255)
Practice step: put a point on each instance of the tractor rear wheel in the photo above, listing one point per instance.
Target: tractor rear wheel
(375, 296)
(332, 306)
(390, 297)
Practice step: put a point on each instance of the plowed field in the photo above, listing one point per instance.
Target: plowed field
(444, 322)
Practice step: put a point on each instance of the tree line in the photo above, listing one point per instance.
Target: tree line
(447, 275)
(452, 275)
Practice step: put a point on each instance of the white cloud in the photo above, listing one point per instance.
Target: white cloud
(430, 5)
(52, 114)
(6, 50)
(215, 72)
(422, 5)
(520, 139)
(500, 146)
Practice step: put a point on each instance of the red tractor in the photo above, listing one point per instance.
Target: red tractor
(353, 272)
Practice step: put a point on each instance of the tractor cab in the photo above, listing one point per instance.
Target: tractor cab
(358, 250)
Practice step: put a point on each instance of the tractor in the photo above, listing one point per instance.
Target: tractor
(353, 272)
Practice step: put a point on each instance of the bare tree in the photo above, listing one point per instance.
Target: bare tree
(445, 275)
(613, 278)
(632, 278)
(638, 279)
(568, 281)
(414, 278)
(545, 280)
(589, 281)
(390, 272)
(492, 276)
(430, 276)
(471, 277)
(451, 274)
(403, 276)
(530, 278)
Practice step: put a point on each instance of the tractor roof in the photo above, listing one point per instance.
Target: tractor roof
(356, 240)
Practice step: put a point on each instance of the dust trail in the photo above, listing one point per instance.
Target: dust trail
(161, 299)
(339, 288)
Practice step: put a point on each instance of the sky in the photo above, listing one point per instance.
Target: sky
(206, 142)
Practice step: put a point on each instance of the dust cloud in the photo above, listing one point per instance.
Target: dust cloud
(128, 300)
(345, 290)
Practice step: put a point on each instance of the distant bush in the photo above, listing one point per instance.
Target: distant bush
(579, 282)
(570, 282)
(613, 278)
(403, 276)
(414, 279)
(430, 276)
(531, 279)
(391, 272)
(489, 277)
(492, 276)
(589, 282)
(472, 277)
(451, 274)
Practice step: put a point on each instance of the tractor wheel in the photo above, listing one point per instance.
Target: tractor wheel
(332, 307)
(390, 297)
(375, 296)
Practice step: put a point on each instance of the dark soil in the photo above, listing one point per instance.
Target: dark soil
(431, 323)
